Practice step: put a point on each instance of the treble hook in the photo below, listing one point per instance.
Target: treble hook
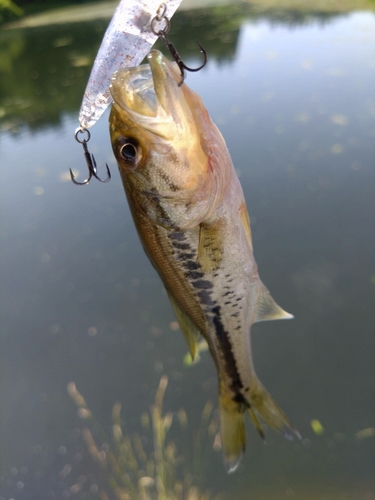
(90, 160)
(163, 33)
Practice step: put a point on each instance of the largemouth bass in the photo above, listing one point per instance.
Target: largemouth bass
(190, 213)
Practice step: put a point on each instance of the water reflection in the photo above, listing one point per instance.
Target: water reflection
(44, 71)
(81, 302)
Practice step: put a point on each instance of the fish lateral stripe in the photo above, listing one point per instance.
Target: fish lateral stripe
(223, 338)
(205, 298)
(204, 284)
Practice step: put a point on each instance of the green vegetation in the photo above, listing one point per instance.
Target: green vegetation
(43, 73)
(9, 10)
(135, 471)
(44, 70)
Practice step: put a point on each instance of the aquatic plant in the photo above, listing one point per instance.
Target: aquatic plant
(162, 473)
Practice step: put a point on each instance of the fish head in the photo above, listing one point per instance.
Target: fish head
(158, 144)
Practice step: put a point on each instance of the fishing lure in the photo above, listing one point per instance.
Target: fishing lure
(133, 30)
(126, 42)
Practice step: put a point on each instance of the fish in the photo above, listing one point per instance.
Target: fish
(190, 213)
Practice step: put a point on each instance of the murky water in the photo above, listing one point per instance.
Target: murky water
(294, 98)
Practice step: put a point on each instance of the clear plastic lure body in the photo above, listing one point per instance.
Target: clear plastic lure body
(126, 42)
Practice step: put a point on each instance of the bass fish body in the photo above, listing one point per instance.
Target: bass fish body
(190, 213)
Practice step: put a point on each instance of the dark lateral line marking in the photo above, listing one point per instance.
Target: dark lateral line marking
(185, 257)
(203, 284)
(230, 362)
(205, 297)
(191, 265)
(195, 275)
(177, 235)
(204, 292)
(181, 246)
(238, 398)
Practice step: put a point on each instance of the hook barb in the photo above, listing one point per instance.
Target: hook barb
(178, 60)
(77, 183)
(183, 66)
(95, 174)
(202, 65)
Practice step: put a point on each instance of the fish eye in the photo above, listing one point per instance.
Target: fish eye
(128, 152)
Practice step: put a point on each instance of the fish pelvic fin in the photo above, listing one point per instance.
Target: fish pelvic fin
(232, 431)
(190, 331)
(267, 307)
(263, 405)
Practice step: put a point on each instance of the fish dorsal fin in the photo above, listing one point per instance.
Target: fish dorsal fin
(190, 331)
(267, 307)
(210, 247)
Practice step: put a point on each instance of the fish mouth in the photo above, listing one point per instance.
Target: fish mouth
(145, 92)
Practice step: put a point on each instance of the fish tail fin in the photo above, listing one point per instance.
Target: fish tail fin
(263, 405)
(232, 430)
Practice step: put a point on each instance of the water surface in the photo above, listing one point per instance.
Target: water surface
(294, 98)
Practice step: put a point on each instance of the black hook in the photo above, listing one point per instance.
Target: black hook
(176, 56)
(90, 160)
(163, 33)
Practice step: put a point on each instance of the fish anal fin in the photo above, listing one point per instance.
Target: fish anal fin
(263, 404)
(267, 307)
(210, 247)
(190, 331)
(232, 431)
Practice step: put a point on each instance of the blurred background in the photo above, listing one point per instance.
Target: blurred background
(291, 86)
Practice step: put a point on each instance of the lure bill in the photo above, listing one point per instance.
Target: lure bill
(126, 42)
(189, 209)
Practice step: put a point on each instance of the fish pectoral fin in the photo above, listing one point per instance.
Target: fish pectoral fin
(268, 309)
(232, 431)
(210, 247)
(261, 403)
(190, 331)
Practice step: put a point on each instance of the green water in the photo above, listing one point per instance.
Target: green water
(294, 98)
